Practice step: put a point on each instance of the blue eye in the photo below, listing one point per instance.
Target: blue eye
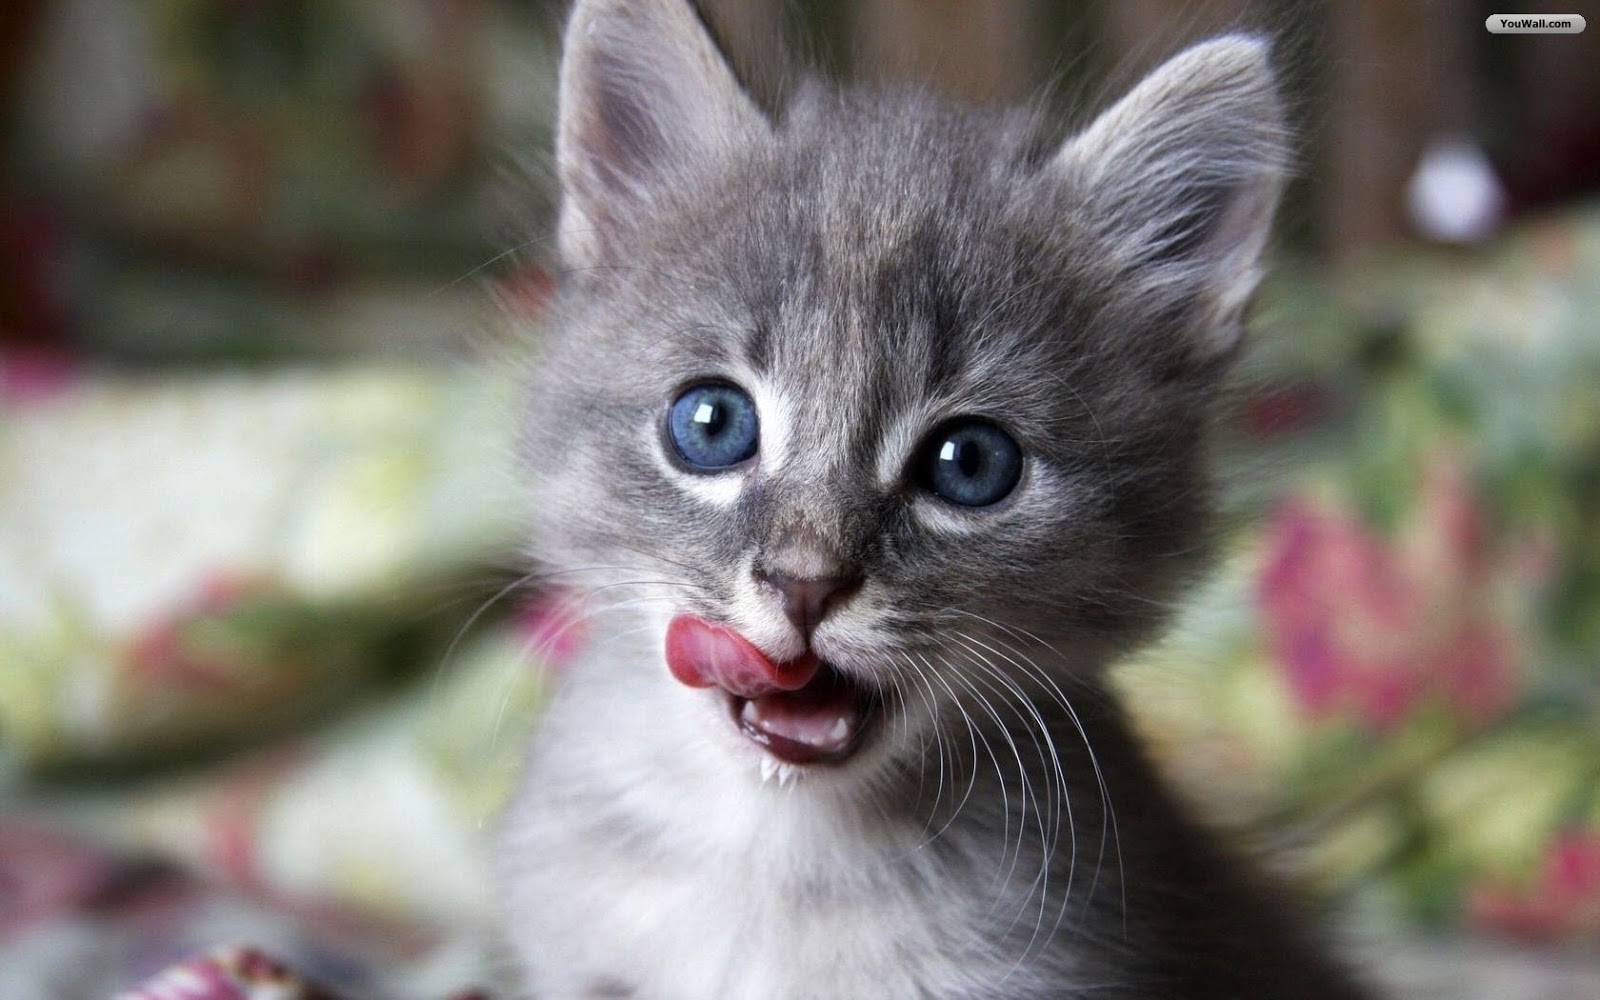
(969, 462)
(713, 426)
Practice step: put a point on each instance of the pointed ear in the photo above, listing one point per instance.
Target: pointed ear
(1180, 180)
(646, 96)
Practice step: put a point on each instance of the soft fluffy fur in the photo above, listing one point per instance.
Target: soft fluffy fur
(867, 265)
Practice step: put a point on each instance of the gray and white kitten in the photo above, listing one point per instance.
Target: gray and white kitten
(869, 433)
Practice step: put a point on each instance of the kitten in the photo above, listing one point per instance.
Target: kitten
(871, 432)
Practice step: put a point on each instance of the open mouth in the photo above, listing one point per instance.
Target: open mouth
(802, 711)
(823, 722)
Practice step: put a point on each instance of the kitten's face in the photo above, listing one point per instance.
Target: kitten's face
(887, 407)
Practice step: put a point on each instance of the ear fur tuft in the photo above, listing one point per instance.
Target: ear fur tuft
(646, 95)
(1181, 177)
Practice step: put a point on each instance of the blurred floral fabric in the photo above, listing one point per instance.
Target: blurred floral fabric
(235, 181)
(1398, 674)
(194, 567)
(192, 562)
(227, 578)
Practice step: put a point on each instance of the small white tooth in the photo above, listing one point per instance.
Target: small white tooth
(840, 730)
(748, 712)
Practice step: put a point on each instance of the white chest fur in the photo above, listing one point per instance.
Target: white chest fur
(639, 861)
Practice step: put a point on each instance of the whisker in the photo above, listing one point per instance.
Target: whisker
(973, 736)
(1022, 775)
(1040, 883)
(1109, 825)
(1057, 808)
(900, 679)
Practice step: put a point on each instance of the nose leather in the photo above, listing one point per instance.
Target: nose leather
(808, 575)
(807, 600)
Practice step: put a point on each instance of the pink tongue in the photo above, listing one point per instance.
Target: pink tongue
(797, 710)
(701, 654)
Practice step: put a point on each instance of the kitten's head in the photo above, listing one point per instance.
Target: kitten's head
(882, 403)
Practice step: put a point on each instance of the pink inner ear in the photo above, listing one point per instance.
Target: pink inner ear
(701, 654)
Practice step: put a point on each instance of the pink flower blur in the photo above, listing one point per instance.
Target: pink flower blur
(551, 628)
(1370, 628)
(1561, 902)
(31, 376)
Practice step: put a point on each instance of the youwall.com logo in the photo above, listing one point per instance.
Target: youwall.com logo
(1535, 24)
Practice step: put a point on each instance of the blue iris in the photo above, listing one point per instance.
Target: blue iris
(969, 462)
(713, 426)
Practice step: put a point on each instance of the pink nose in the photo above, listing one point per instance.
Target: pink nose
(807, 600)
(701, 654)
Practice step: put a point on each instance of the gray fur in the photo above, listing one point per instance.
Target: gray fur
(866, 266)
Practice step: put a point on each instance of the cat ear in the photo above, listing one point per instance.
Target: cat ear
(645, 96)
(1181, 177)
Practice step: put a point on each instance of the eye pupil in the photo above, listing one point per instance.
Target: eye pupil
(969, 458)
(711, 417)
(713, 426)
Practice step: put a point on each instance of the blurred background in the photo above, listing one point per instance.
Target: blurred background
(266, 655)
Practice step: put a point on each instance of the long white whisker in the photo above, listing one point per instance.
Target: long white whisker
(1055, 807)
(974, 736)
(907, 677)
(1022, 774)
(1109, 825)
(1046, 838)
